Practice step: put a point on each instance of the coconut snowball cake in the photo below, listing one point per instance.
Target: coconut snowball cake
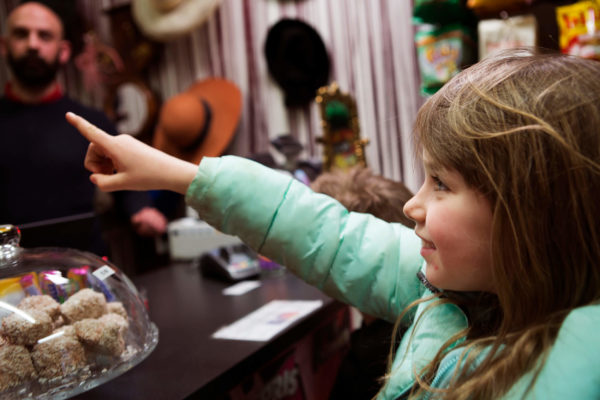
(46, 340)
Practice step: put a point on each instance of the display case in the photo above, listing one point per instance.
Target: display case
(69, 321)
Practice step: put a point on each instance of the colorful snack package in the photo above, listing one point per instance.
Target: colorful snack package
(79, 276)
(579, 29)
(100, 285)
(29, 283)
(54, 285)
(442, 53)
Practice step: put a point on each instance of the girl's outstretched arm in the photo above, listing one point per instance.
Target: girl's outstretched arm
(124, 163)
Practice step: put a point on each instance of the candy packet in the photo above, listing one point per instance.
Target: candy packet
(579, 29)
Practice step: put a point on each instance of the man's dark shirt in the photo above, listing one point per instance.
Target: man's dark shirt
(41, 163)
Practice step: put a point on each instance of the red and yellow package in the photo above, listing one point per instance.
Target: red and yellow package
(579, 29)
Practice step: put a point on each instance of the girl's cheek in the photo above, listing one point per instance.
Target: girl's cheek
(440, 224)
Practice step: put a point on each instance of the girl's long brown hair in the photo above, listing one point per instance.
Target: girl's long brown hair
(524, 129)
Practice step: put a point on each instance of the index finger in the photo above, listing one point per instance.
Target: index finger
(88, 130)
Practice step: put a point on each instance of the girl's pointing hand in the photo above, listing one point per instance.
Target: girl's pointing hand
(124, 163)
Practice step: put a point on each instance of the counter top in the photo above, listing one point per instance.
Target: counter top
(188, 308)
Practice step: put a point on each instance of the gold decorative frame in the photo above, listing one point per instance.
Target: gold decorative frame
(344, 147)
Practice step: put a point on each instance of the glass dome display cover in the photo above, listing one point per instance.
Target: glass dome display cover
(69, 321)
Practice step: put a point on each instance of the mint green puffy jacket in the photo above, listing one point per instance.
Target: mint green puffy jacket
(372, 265)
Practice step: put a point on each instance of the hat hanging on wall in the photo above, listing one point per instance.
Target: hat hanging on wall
(165, 20)
(297, 59)
(200, 121)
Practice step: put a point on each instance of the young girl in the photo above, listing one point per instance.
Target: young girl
(507, 230)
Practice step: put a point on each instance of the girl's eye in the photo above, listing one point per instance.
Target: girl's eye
(438, 184)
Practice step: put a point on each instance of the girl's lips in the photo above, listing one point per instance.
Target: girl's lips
(427, 248)
(428, 245)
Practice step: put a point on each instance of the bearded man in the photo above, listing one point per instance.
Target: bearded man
(41, 170)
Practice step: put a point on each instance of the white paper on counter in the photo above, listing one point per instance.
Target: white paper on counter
(240, 288)
(268, 321)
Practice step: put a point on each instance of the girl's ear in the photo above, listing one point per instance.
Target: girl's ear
(64, 51)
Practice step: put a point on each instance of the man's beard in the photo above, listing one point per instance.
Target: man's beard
(33, 72)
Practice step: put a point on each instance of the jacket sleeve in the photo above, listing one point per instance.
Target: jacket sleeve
(353, 257)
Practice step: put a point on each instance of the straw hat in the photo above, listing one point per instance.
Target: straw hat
(200, 121)
(165, 20)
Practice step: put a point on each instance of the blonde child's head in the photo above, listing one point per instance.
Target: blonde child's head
(523, 129)
(359, 189)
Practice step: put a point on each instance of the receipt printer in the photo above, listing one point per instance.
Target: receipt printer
(231, 263)
(189, 238)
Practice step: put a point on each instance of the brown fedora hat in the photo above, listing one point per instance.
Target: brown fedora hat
(200, 121)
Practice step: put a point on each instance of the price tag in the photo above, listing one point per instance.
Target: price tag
(103, 272)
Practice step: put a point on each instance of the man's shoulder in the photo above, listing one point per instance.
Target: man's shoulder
(80, 108)
(5, 103)
(93, 115)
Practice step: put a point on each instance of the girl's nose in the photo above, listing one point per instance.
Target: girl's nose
(414, 209)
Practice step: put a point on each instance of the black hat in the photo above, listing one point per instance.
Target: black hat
(297, 60)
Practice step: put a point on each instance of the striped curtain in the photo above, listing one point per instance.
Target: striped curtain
(370, 44)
